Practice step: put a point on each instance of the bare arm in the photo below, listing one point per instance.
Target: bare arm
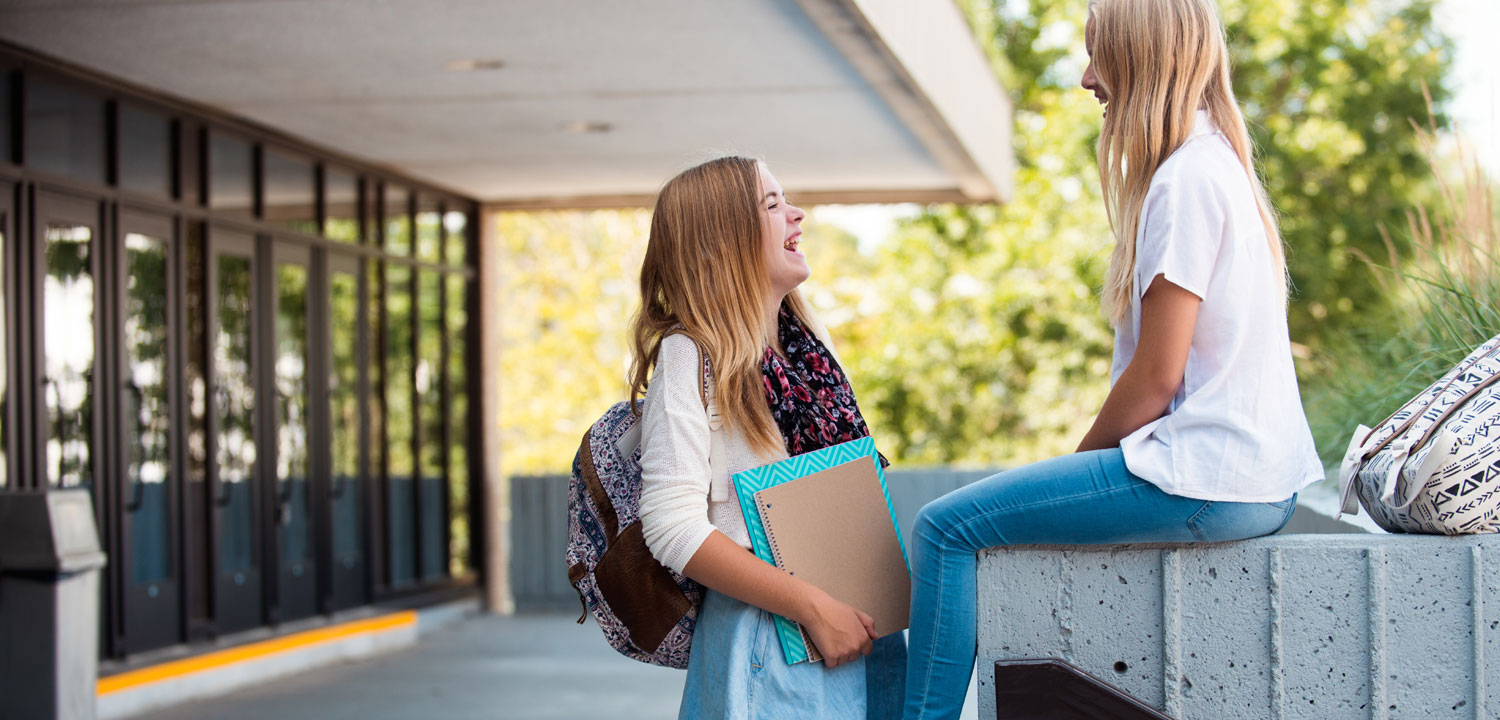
(841, 632)
(1146, 387)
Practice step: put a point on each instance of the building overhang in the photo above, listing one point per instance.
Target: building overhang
(586, 103)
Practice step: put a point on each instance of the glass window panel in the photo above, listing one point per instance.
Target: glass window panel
(195, 372)
(375, 316)
(456, 225)
(231, 168)
(145, 152)
(459, 562)
(291, 419)
(429, 386)
(64, 131)
(290, 192)
(341, 206)
(344, 415)
(68, 302)
(234, 401)
(400, 423)
(147, 415)
(429, 231)
(397, 221)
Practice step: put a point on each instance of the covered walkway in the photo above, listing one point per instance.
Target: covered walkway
(529, 666)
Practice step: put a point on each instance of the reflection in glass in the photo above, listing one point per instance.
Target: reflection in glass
(147, 417)
(397, 221)
(290, 192)
(64, 131)
(344, 410)
(68, 301)
(429, 231)
(400, 422)
(195, 381)
(231, 190)
(375, 316)
(341, 206)
(234, 403)
(145, 152)
(456, 225)
(458, 426)
(429, 385)
(291, 418)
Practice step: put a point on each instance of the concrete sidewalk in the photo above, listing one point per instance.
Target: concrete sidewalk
(524, 666)
(527, 667)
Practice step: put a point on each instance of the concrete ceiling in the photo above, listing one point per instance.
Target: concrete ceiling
(846, 99)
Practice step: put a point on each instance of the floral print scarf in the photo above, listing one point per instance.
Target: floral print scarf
(807, 392)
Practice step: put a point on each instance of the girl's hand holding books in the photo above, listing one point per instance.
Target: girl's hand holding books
(841, 632)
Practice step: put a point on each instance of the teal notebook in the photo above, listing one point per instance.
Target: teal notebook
(801, 528)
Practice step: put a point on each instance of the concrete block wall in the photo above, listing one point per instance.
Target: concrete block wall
(1289, 626)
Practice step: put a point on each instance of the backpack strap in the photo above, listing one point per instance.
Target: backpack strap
(718, 488)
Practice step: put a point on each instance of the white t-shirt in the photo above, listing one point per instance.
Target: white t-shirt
(1235, 430)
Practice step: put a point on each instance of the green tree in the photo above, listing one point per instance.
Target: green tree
(570, 286)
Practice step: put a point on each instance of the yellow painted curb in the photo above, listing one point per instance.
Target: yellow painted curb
(254, 651)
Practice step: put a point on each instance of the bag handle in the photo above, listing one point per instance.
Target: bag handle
(1458, 372)
(1455, 406)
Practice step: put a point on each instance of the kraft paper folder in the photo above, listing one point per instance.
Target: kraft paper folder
(826, 517)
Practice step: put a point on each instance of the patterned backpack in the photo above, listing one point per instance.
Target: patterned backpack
(1434, 465)
(646, 611)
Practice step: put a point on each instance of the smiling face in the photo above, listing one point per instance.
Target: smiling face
(781, 233)
(1090, 80)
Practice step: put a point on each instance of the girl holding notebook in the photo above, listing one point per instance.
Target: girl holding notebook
(719, 283)
(1202, 436)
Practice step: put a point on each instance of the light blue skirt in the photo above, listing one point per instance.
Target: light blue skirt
(737, 672)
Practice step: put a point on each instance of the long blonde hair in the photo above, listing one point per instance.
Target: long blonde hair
(705, 276)
(1159, 62)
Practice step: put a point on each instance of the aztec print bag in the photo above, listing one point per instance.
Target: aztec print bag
(1434, 466)
(647, 612)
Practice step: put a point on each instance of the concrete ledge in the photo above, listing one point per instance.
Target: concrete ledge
(1287, 626)
(218, 672)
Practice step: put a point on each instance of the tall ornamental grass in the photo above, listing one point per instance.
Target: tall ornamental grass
(1446, 294)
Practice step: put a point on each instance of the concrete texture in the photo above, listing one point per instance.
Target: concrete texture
(1287, 626)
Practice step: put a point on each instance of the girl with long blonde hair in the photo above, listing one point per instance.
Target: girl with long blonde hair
(737, 374)
(1202, 436)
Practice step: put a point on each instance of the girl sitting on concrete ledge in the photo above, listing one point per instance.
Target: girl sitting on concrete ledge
(1202, 436)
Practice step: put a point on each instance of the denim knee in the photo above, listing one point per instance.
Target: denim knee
(927, 530)
(940, 526)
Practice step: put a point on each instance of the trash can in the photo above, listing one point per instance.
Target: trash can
(49, 605)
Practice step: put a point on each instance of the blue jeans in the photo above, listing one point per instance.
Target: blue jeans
(1084, 498)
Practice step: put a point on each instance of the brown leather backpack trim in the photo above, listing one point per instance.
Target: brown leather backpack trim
(639, 590)
(596, 491)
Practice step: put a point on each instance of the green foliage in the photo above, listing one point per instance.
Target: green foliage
(1331, 89)
(570, 285)
(1447, 303)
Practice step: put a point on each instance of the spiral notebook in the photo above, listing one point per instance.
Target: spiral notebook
(826, 517)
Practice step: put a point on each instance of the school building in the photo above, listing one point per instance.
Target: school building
(246, 307)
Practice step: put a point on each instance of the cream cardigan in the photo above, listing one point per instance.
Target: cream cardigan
(678, 509)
